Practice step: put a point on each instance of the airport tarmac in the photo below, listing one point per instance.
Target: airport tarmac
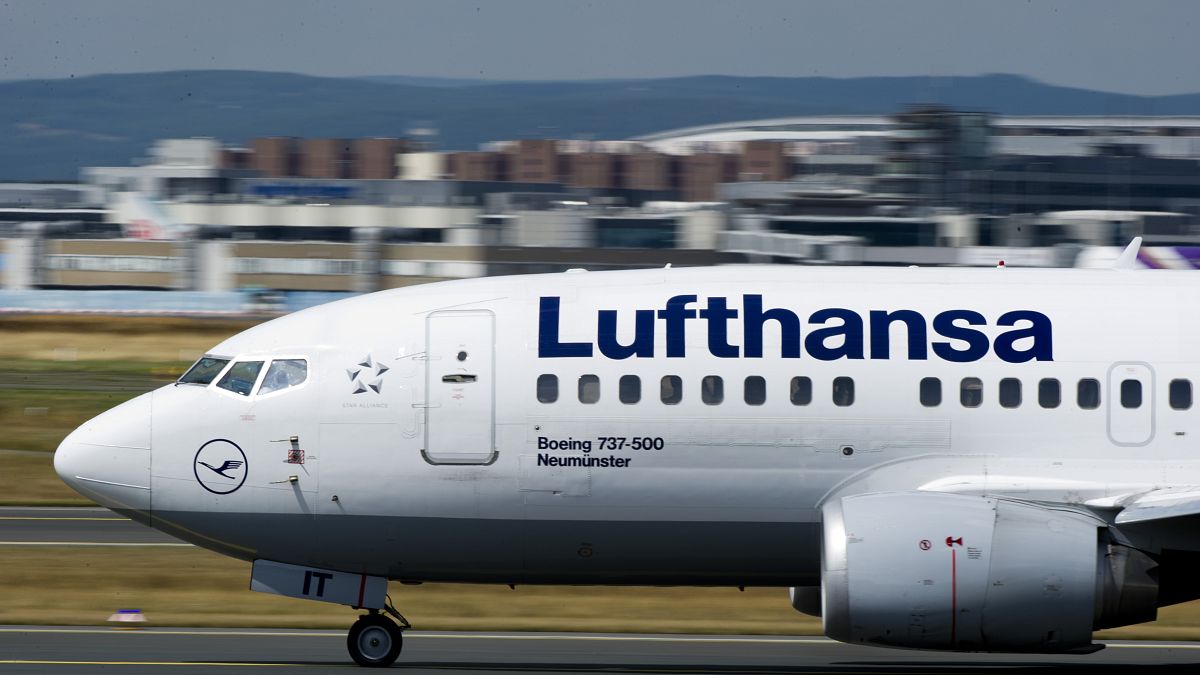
(46, 649)
(43, 649)
(78, 526)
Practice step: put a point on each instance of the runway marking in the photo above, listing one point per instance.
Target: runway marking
(1126, 645)
(630, 638)
(439, 636)
(515, 637)
(92, 543)
(59, 518)
(207, 664)
(214, 633)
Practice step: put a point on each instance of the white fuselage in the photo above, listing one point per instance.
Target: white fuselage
(428, 456)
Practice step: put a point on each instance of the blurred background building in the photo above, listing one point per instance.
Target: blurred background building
(316, 218)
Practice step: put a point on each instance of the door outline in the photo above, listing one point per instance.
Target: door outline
(430, 357)
(1114, 402)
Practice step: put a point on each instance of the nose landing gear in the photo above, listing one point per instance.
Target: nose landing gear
(374, 640)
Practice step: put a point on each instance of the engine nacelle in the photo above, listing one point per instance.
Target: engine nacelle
(957, 572)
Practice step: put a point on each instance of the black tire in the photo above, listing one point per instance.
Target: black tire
(374, 641)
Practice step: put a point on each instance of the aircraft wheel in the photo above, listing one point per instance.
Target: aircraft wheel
(374, 641)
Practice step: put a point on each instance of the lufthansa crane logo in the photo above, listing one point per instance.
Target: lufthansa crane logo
(220, 466)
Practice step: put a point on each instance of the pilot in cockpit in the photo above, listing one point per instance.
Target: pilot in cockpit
(284, 373)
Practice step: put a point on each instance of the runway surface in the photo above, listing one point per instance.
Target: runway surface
(42, 649)
(31, 526)
(26, 649)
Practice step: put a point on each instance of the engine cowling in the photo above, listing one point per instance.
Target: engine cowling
(957, 572)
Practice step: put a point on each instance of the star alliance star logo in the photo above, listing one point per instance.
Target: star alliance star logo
(367, 376)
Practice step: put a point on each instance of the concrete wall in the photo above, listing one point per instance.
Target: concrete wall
(16, 263)
(251, 214)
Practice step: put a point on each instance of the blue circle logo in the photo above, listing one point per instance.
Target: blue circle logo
(220, 466)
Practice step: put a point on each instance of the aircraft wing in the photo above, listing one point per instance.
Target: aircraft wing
(1137, 505)
(1158, 504)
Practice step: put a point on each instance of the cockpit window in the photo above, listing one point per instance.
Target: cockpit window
(284, 373)
(240, 378)
(204, 370)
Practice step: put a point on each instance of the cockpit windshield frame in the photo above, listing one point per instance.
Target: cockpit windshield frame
(308, 376)
(251, 386)
(213, 376)
(260, 380)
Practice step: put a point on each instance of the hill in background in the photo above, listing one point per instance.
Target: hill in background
(50, 128)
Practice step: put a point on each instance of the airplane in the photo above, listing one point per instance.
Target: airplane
(992, 460)
(142, 218)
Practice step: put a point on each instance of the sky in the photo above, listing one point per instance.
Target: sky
(1140, 47)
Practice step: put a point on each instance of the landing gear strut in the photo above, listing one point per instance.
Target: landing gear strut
(374, 640)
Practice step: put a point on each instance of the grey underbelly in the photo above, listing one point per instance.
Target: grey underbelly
(480, 550)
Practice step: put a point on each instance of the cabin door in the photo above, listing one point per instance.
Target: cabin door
(460, 387)
(1130, 403)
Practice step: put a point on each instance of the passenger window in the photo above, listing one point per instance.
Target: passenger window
(547, 388)
(1088, 394)
(801, 391)
(629, 389)
(1010, 392)
(671, 389)
(843, 391)
(712, 390)
(1131, 394)
(756, 390)
(284, 373)
(204, 370)
(931, 392)
(1180, 394)
(589, 388)
(240, 378)
(970, 392)
(1049, 393)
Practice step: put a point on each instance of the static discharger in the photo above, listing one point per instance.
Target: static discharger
(127, 619)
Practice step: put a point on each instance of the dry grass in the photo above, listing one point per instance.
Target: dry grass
(57, 372)
(194, 587)
(28, 479)
(103, 338)
(39, 419)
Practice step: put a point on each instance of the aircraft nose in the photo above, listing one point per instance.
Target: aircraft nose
(107, 459)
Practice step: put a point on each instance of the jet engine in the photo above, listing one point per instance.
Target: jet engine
(956, 572)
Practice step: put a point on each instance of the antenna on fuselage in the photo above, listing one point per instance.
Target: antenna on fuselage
(1128, 258)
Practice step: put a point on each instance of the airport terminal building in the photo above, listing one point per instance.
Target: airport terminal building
(925, 186)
